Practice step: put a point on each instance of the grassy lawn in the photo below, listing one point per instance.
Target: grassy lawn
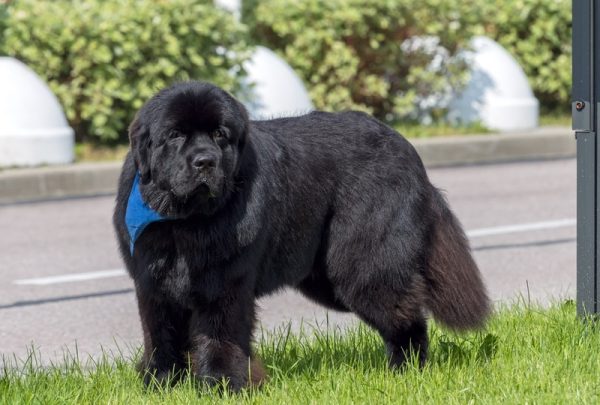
(526, 355)
(88, 152)
(438, 129)
(560, 118)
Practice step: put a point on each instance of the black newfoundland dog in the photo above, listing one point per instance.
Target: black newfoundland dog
(215, 210)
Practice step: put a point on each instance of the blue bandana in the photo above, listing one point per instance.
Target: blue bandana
(138, 215)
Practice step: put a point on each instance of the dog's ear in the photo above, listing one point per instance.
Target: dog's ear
(245, 124)
(139, 140)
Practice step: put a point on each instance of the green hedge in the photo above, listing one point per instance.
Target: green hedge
(3, 20)
(104, 58)
(349, 52)
(538, 34)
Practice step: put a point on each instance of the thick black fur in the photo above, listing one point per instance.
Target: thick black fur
(337, 206)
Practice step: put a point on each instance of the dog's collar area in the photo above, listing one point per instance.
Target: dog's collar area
(138, 214)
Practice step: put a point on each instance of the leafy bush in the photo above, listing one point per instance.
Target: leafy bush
(3, 18)
(538, 34)
(359, 54)
(104, 58)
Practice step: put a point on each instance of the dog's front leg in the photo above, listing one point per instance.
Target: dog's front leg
(166, 341)
(221, 338)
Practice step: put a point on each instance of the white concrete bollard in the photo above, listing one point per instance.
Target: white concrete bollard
(272, 88)
(275, 90)
(33, 127)
(498, 93)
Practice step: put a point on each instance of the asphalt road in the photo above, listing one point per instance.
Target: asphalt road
(520, 218)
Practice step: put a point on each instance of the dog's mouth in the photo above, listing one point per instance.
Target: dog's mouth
(201, 192)
(187, 196)
(204, 189)
(202, 197)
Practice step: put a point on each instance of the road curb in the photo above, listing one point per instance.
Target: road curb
(77, 180)
(542, 143)
(88, 179)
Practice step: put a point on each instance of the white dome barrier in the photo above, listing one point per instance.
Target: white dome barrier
(273, 88)
(498, 94)
(33, 128)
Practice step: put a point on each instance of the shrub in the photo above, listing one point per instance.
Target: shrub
(350, 52)
(104, 58)
(538, 34)
(357, 54)
(3, 18)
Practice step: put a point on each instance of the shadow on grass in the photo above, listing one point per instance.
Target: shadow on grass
(314, 350)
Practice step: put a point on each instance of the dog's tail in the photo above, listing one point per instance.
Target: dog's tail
(457, 295)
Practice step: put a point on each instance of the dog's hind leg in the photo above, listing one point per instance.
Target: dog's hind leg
(377, 272)
(397, 315)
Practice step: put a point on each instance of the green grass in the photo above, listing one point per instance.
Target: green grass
(559, 118)
(410, 130)
(89, 152)
(526, 355)
(413, 130)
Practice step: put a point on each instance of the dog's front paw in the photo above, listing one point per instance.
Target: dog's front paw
(245, 374)
(155, 376)
(158, 378)
(225, 363)
(225, 379)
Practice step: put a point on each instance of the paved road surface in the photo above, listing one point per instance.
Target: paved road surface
(520, 217)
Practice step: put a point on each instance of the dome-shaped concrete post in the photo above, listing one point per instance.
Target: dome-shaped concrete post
(498, 94)
(274, 89)
(33, 128)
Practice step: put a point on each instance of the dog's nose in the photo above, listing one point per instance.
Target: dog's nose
(204, 162)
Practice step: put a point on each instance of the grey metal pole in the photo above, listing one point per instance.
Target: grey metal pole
(585, 105)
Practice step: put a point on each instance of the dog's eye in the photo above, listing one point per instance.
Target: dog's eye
(220, 133)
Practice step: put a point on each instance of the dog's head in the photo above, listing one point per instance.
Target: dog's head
(186, 143)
